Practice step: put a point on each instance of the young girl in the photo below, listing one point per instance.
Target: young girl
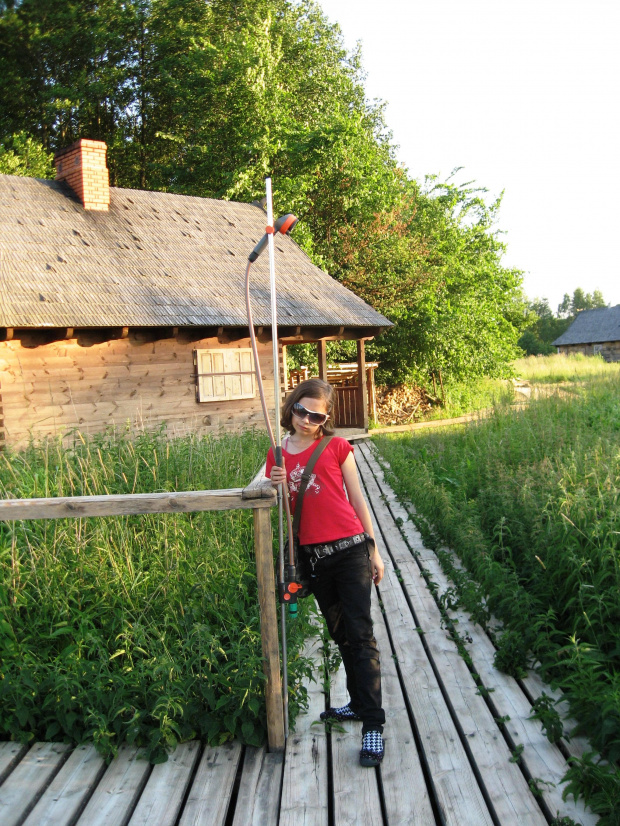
(336, 536)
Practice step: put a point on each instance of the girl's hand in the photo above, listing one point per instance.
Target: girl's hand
(278, 475)
(377, 567)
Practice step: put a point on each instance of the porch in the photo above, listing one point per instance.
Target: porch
(355, 403)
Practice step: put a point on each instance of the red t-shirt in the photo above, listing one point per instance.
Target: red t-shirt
(326, 513)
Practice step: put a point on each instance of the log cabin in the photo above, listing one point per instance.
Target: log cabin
(126, 308)
(593, 332)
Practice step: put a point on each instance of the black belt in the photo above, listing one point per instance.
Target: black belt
(324, 549)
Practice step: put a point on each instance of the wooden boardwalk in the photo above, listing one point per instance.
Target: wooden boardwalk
(451, 734)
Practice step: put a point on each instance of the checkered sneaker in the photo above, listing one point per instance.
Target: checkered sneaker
(340, 714)
(372, 749)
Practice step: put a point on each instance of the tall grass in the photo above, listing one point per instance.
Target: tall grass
(142, 629)
(530, 501)
(485, 393)
(560, 367)
(469, 397)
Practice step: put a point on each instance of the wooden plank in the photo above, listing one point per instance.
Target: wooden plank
(458, 420)
(59, 353)
(81, 377)
(541, 759)
(128, 503)
(533, 684)
(356, 792)
(118, 791)
(64, 799)
(49, 396)
(260, 487)
(407, 799)
(429, 561)
(502, 780)
(454, 784)
(258, 801)
(274, 699)
(157, 388)
(209, 797)
(27, 782)
(62, 353)
(10, 755)
(140, 410)
(74, 375)
(305, 781)
(162, 798)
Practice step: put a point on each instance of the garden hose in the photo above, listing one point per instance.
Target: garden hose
(287, 585)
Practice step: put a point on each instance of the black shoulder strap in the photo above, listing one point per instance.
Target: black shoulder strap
(305, 479)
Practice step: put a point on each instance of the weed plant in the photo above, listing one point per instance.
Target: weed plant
(530, 501)
(138, 629)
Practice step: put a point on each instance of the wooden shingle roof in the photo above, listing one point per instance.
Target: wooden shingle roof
(593, 327)
(154, 259)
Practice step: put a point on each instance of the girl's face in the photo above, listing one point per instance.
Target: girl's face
(302, 424)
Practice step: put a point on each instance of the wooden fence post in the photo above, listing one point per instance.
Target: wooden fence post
(269, 627)
(321, 349)
(362, 392)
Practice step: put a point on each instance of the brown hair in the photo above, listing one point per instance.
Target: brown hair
(310, 389)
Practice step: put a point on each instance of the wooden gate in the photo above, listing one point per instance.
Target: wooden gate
(346, 408)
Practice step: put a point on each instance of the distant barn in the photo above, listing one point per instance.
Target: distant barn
(122, 306)
(592, 332)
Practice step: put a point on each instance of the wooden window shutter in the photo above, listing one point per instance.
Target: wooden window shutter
(223, 375)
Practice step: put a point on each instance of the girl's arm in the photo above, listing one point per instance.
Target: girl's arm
(356, 498)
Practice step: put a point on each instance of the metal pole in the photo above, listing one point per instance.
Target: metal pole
(274, 312)
(277, 435)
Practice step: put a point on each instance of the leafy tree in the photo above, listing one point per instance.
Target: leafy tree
(22, 155)
(205, 98)
(586, 301)
(564, 306)
(428, 258)
(467, 320)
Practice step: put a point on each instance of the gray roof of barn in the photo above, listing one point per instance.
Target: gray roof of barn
(593, 327)
(154, 259)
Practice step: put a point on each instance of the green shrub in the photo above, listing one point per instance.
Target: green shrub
(142, 629)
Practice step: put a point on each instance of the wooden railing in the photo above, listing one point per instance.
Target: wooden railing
(260, 496)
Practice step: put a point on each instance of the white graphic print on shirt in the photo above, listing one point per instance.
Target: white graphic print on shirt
(294, 481)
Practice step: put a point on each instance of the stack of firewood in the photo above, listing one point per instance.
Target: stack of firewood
(402, 404)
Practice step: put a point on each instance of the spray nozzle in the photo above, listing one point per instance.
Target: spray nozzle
(284, 224)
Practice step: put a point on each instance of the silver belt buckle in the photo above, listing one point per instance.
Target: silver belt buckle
(322, 551)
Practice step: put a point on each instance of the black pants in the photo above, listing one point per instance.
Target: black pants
(341, 585)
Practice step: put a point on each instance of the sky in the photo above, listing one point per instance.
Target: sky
(524, 96)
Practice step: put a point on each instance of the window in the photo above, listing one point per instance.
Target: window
(224, 374)
(597, 348)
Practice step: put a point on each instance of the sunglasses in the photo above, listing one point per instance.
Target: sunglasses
(313, 417)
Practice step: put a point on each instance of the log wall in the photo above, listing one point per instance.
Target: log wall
(610, 350)
(57, 387)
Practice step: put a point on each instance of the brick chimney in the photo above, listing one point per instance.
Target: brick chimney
(83, 166)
